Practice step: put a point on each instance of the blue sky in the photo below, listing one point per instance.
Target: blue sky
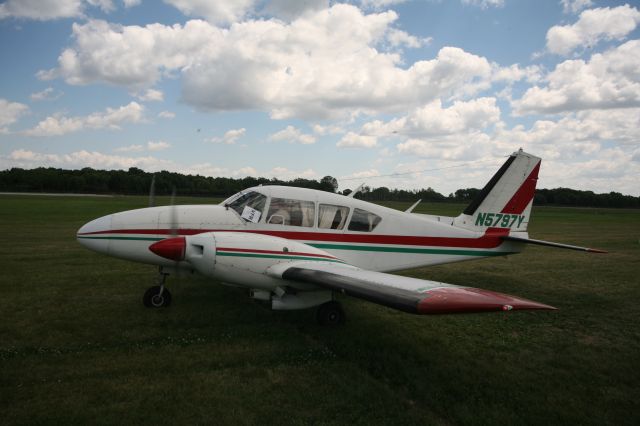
(404, 94)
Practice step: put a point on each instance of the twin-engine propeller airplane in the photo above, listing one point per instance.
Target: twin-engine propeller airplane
(296, 248)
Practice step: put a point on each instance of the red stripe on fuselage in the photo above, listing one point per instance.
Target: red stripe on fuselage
(491, 238)
(524, 194)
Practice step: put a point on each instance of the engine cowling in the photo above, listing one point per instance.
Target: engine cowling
(238, 257)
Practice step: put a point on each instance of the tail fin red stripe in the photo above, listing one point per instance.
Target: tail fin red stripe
(524, 194)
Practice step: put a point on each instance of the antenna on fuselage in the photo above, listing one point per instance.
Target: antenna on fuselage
(355, 191)
(410, 209)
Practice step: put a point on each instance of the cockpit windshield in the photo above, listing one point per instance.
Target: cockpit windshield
(249, 205)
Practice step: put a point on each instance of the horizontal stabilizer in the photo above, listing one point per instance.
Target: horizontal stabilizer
(550, 244)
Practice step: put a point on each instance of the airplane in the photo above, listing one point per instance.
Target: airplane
(296, 248)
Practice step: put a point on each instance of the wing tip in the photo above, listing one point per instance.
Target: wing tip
(471, 300)
(592, 250)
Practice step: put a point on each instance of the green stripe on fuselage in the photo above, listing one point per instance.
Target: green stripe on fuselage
(455, 252)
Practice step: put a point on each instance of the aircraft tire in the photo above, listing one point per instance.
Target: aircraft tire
(330, 314)
(152, 298)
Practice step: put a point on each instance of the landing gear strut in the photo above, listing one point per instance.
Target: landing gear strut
(330, 314)
(157, 296)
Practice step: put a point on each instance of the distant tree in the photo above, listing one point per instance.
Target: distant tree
(137, 181)
(329, 184)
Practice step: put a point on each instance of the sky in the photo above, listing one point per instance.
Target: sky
(404, 94)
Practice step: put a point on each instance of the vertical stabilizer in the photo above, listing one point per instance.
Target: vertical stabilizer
(505, 201)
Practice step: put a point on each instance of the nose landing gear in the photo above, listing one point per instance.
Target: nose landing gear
(157, 296)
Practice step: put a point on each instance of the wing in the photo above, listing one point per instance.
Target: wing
(403, 293)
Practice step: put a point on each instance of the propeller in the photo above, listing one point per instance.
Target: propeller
(152, 192)
(174, 213)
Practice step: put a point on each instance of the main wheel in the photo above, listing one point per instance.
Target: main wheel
(330, 314)
(153, 299)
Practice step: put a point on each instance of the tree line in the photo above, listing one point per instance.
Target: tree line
(138, 182)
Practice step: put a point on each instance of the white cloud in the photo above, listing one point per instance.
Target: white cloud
(230, 137)
(150, 146)
(80, 159)
(130, 148)
(434, 120)
(105, 5)
(484, 4)
(318, 67)
(10, 112)
(167, 114)
(398, 38)
(608, 80)
(284, 173)
(219, 11)
(131, 56)
(354, 140)
(112, 118)
(448, 147)
(45, 10)
(47, 94)
(291, 9)
(575, 6)
(157, 146)
(41, 10)
(330, 129)
(151, 95)
(324, 64)
(380, 4)
(593, 26)
(293, 135)
(363, 174)
(600, 127)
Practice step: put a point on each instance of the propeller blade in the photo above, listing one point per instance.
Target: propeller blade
(174, 213)
(152, 192)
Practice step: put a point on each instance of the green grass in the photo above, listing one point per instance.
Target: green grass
(78, 347)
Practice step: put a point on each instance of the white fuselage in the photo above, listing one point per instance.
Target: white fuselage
(397, 241)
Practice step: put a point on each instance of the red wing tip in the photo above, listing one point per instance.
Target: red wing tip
(590, 250)
(450, 300)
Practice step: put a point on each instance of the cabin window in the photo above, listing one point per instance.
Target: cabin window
(284, 211)
(249, 206)
(332, 217)
(363, 221)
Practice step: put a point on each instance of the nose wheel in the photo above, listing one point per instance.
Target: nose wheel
(157, 296)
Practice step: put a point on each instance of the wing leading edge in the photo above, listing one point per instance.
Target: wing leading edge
(404, 293)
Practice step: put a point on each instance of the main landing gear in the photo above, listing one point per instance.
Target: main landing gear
(157, 296)
(330, 314)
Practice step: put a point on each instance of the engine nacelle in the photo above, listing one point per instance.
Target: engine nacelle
(301, 300)
(241, 258)
(200, 252)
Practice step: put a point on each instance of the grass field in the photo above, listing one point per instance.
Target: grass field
(78, 347)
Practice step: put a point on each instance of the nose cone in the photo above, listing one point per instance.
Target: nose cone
(170, 248)
(94, 235)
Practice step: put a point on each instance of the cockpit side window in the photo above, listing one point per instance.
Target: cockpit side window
(249, 206)
(332, 217)
(285, 211)
(363, 221)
